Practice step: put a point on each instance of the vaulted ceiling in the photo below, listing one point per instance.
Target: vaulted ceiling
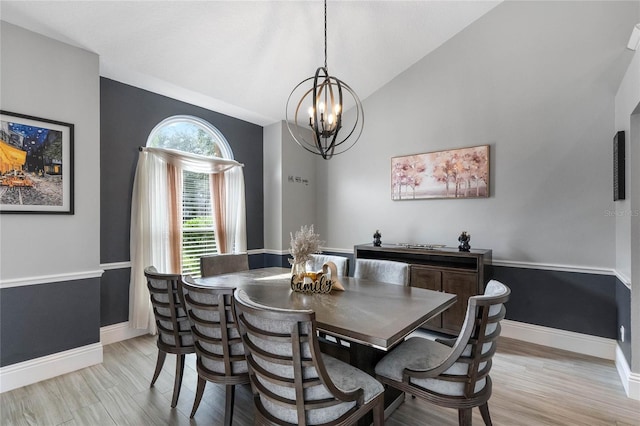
(243, 58)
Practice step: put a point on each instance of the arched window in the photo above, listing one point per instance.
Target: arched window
(190, 134)
(195, 136)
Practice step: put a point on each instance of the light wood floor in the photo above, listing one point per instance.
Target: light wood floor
(532, 385)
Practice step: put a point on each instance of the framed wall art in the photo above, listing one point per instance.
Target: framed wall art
(455, 173)
(36, 165)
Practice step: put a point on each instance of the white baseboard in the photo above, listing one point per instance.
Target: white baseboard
(560, 339)
(576, 342)
(119, 332)
(46, 367)
(630, 381)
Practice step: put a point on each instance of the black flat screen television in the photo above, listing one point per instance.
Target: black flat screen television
(618, 166)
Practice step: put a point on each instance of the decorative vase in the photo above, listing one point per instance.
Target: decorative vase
(299, 270)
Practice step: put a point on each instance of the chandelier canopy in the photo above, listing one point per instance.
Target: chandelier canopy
(324, 104)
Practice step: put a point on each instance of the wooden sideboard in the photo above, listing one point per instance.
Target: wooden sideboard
(443, 269)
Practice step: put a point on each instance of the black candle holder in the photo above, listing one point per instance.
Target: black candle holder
(377, 242)
(464, 241)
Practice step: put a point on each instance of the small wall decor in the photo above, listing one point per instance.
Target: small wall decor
(456, 173)
(36, 165)
(618, 166)
(464, 239)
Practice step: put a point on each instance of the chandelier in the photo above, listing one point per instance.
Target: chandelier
(324, 104)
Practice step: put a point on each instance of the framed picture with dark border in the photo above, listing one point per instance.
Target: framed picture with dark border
(618, 166)
(36, 165)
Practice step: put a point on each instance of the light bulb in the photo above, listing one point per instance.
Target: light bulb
(337, 109)
(321, 107)
(330, 119)
(310, 111)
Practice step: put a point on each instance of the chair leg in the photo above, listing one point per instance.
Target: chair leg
(484, 410)
(199, 391)
(228, 408)
(378, 412)
(159, 363)
(178, 379)
(464, 416)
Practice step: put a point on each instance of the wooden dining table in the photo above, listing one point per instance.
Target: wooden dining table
(372, 316)
(367, 312)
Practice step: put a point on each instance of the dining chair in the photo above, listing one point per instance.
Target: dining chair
(452, 373)
(174, 331)
(223, 264)
(317, 260)
(219, 350)
(387, 271)
(291, 380)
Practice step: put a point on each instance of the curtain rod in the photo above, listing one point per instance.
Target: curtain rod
(190, 155)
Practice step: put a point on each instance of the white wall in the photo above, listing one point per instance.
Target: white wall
(627, 99)
(628, 221)
(290, 187)
(48, 79)
(272, 175)
(534, 80)
(299, 203)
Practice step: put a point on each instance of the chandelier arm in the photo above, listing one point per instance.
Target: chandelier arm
(316, 94)
(300, 139)
(359, 113)
(339, 115)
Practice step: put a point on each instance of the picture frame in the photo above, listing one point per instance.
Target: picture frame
(36, 165)
(455, 173)
(618, 166)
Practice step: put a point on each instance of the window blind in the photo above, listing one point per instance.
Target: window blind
(198, 236)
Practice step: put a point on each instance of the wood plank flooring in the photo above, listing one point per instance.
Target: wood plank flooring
(532, 385)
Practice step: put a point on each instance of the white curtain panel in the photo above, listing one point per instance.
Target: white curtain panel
(149, 234)
(236, 225)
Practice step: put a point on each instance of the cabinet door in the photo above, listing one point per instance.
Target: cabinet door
(431, 280)
(465, 286)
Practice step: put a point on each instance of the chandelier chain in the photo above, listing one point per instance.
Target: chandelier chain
(325, 34)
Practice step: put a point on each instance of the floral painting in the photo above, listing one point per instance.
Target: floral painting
(457, 173)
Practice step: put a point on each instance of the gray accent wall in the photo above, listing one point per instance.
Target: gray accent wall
(114, 296)
(128, 115)
(578, 302)
(623, 304)
(44, 319)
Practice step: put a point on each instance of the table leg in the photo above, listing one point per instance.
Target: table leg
(365, 358)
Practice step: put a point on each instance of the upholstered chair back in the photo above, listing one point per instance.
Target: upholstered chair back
(223, 264)
(288, 375)
(217, 341)
(468, 373)
(219, 349)
(452, 372)
(341, 262)
(174, 331)
(386, 271)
